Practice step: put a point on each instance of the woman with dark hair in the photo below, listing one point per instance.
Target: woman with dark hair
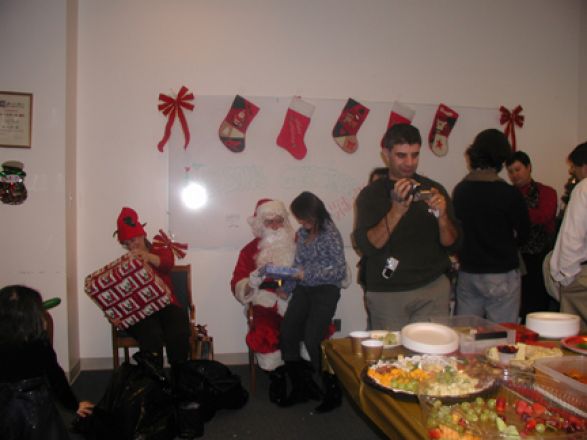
(29, 372)
(321, 268)
(495, 223)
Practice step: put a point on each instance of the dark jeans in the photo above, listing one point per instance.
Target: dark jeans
(307, 318)
(534, 295)
(168, 327)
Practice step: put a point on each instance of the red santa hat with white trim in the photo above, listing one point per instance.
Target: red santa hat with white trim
(266, 209)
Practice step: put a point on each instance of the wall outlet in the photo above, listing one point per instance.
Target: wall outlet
(337, 324)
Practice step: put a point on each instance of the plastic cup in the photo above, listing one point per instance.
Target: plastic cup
(356, 338)
(372, 349)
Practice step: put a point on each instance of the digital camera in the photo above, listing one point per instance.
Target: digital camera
(420, 193)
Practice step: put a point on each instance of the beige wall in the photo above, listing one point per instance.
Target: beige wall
(582, 75)
(479, 54)
(33, 41)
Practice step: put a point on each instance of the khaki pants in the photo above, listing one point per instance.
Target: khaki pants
(393, 310)
(574, 298)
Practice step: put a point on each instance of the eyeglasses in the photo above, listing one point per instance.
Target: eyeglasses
(275, 221)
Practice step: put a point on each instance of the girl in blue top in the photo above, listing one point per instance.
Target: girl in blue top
(321, 269)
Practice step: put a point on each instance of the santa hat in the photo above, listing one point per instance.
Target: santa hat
(267, 208)
(128, 225)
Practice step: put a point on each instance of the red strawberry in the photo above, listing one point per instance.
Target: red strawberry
(538, 409)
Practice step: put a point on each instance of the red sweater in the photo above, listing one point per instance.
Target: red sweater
(545, 213)
(167, 261)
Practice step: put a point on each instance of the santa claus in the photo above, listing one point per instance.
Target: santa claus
(274, 244)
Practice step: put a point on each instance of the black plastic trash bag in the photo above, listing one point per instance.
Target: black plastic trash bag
(27, 411)
(211, 384)
(138, 405)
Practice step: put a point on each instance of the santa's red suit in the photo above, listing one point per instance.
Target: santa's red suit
(272, 245)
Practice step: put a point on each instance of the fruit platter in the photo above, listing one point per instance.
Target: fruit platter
(447, 377)
(516, 410)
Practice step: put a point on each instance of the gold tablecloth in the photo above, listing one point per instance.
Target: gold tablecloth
(397, 418)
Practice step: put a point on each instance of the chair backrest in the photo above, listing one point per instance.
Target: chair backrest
(181, 278)
(49, 325)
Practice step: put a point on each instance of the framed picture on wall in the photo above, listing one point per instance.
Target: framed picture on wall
(16, 118)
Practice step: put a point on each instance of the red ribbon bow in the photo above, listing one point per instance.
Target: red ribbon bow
(170, 107)
(162, 240)
(511, 119)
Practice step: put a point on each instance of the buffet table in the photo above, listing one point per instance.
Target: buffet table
(396, 416)
(398, 419)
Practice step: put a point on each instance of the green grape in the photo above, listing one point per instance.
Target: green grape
(540, 428)
(472, 417)
(491, 403)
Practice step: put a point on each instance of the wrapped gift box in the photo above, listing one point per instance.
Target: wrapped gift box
(127, 289)
(279, 272)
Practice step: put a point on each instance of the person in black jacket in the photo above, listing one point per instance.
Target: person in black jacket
(495, 223)
(29, 372)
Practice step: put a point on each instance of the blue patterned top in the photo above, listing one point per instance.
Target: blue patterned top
(322, 259)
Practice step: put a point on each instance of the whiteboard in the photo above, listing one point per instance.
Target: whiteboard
(236, 181)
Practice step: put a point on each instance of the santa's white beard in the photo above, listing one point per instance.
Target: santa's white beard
(277, 247)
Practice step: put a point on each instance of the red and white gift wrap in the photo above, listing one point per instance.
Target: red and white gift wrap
(128, 290)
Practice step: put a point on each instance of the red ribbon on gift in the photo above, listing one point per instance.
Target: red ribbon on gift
(511, 119)
(162, 240)
(172, 107)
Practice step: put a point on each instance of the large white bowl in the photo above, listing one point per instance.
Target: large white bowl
(553, 325)
(431, 338)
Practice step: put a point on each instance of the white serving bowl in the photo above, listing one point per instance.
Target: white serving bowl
(553, 325)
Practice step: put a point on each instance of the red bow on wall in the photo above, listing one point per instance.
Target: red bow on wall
(170, 107)
(162, 240)
(511, 119)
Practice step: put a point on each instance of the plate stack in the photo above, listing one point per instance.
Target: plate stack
(553, 325)
(430, 338)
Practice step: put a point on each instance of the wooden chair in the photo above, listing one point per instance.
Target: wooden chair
(49, 325)
(252, 362)
(182, 288)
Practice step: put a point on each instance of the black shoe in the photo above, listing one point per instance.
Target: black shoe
(333, 396)
(277, 385)
(296, 396)
(189, 421)
(152, 363)
(295, 371)
(311, 388)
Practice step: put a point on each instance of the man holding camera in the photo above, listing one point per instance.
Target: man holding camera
(405, 228)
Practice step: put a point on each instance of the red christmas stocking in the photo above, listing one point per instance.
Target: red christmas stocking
(400, 114)
(297, 120)
(444, 121)
(233, 128)
(348, 124)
